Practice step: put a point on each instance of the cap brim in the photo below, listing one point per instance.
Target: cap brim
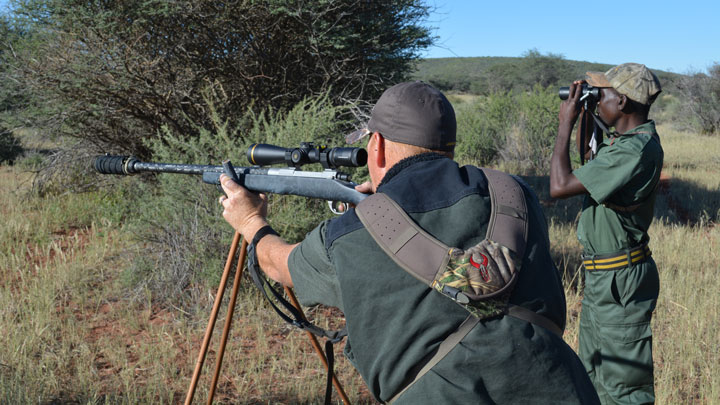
(356, 136)
(597, 79)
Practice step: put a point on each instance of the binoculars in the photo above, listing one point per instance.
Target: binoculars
(588, 91)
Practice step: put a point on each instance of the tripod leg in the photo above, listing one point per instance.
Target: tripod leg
(228, 319)
(318, 348)
(211, 322)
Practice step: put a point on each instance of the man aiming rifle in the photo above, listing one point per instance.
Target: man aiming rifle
(495, 337)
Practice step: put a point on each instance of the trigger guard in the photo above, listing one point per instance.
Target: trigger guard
(334, 210)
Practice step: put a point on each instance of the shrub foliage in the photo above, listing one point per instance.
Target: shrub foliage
(179, 216)
(515, 129)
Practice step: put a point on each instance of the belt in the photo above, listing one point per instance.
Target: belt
(618, 260)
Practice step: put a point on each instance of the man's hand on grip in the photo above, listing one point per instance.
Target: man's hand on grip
(244, 210)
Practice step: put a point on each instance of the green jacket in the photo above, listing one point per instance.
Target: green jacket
(395, 321)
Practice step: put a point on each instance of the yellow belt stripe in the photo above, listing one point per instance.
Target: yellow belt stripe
(611, 259)
(622, 264)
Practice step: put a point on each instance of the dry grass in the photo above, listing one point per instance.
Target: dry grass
(70, 335)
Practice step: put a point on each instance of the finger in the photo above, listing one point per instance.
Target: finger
(577, 91)
(573, 90)
(365, 188)
(228, 185)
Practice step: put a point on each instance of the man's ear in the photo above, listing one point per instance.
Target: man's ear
(379, 147)
(623, 103)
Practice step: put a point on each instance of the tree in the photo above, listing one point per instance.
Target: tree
(545, 70)
(10, 99)
(700, 95)
(112, 73)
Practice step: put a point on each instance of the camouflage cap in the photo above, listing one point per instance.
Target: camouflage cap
(631, 79)
(413, 113)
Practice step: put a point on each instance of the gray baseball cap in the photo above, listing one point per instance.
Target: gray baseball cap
(631, 79)
(413, 113)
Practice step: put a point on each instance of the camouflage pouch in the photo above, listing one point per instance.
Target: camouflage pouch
(483, 274)
(480, 278)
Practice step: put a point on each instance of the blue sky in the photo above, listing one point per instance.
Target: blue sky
(677, 36)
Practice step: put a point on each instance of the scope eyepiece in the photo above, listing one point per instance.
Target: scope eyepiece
(263, 154)
(348, 157)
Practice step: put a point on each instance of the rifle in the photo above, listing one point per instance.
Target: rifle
(330, 184)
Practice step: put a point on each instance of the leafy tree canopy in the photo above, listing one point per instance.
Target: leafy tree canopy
(114, 72)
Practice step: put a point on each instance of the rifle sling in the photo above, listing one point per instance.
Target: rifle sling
(296, 318)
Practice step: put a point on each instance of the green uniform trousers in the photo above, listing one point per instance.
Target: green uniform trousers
(615, 335)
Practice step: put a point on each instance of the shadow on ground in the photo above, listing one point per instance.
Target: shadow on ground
(680, 202)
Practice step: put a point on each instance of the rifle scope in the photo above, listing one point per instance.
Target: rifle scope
(263, 154)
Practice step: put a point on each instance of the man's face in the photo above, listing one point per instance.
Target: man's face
(608, 106)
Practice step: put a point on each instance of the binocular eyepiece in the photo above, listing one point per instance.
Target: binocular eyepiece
(263, 154)
(588, 91)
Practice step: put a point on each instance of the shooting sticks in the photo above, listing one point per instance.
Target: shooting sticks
(228, 322)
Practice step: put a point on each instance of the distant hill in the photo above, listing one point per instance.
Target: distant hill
(480, 75)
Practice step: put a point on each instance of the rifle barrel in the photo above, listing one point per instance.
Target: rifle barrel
(180, 168)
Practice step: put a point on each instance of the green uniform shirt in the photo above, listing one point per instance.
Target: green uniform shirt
(625, 172)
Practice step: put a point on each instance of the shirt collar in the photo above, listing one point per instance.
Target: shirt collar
(646, 128)
(409, 161)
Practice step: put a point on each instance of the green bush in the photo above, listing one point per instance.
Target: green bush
(179, 216)
(481, 128)
(530, 134)
(513, 129)
(112, 72)
(31, 162)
